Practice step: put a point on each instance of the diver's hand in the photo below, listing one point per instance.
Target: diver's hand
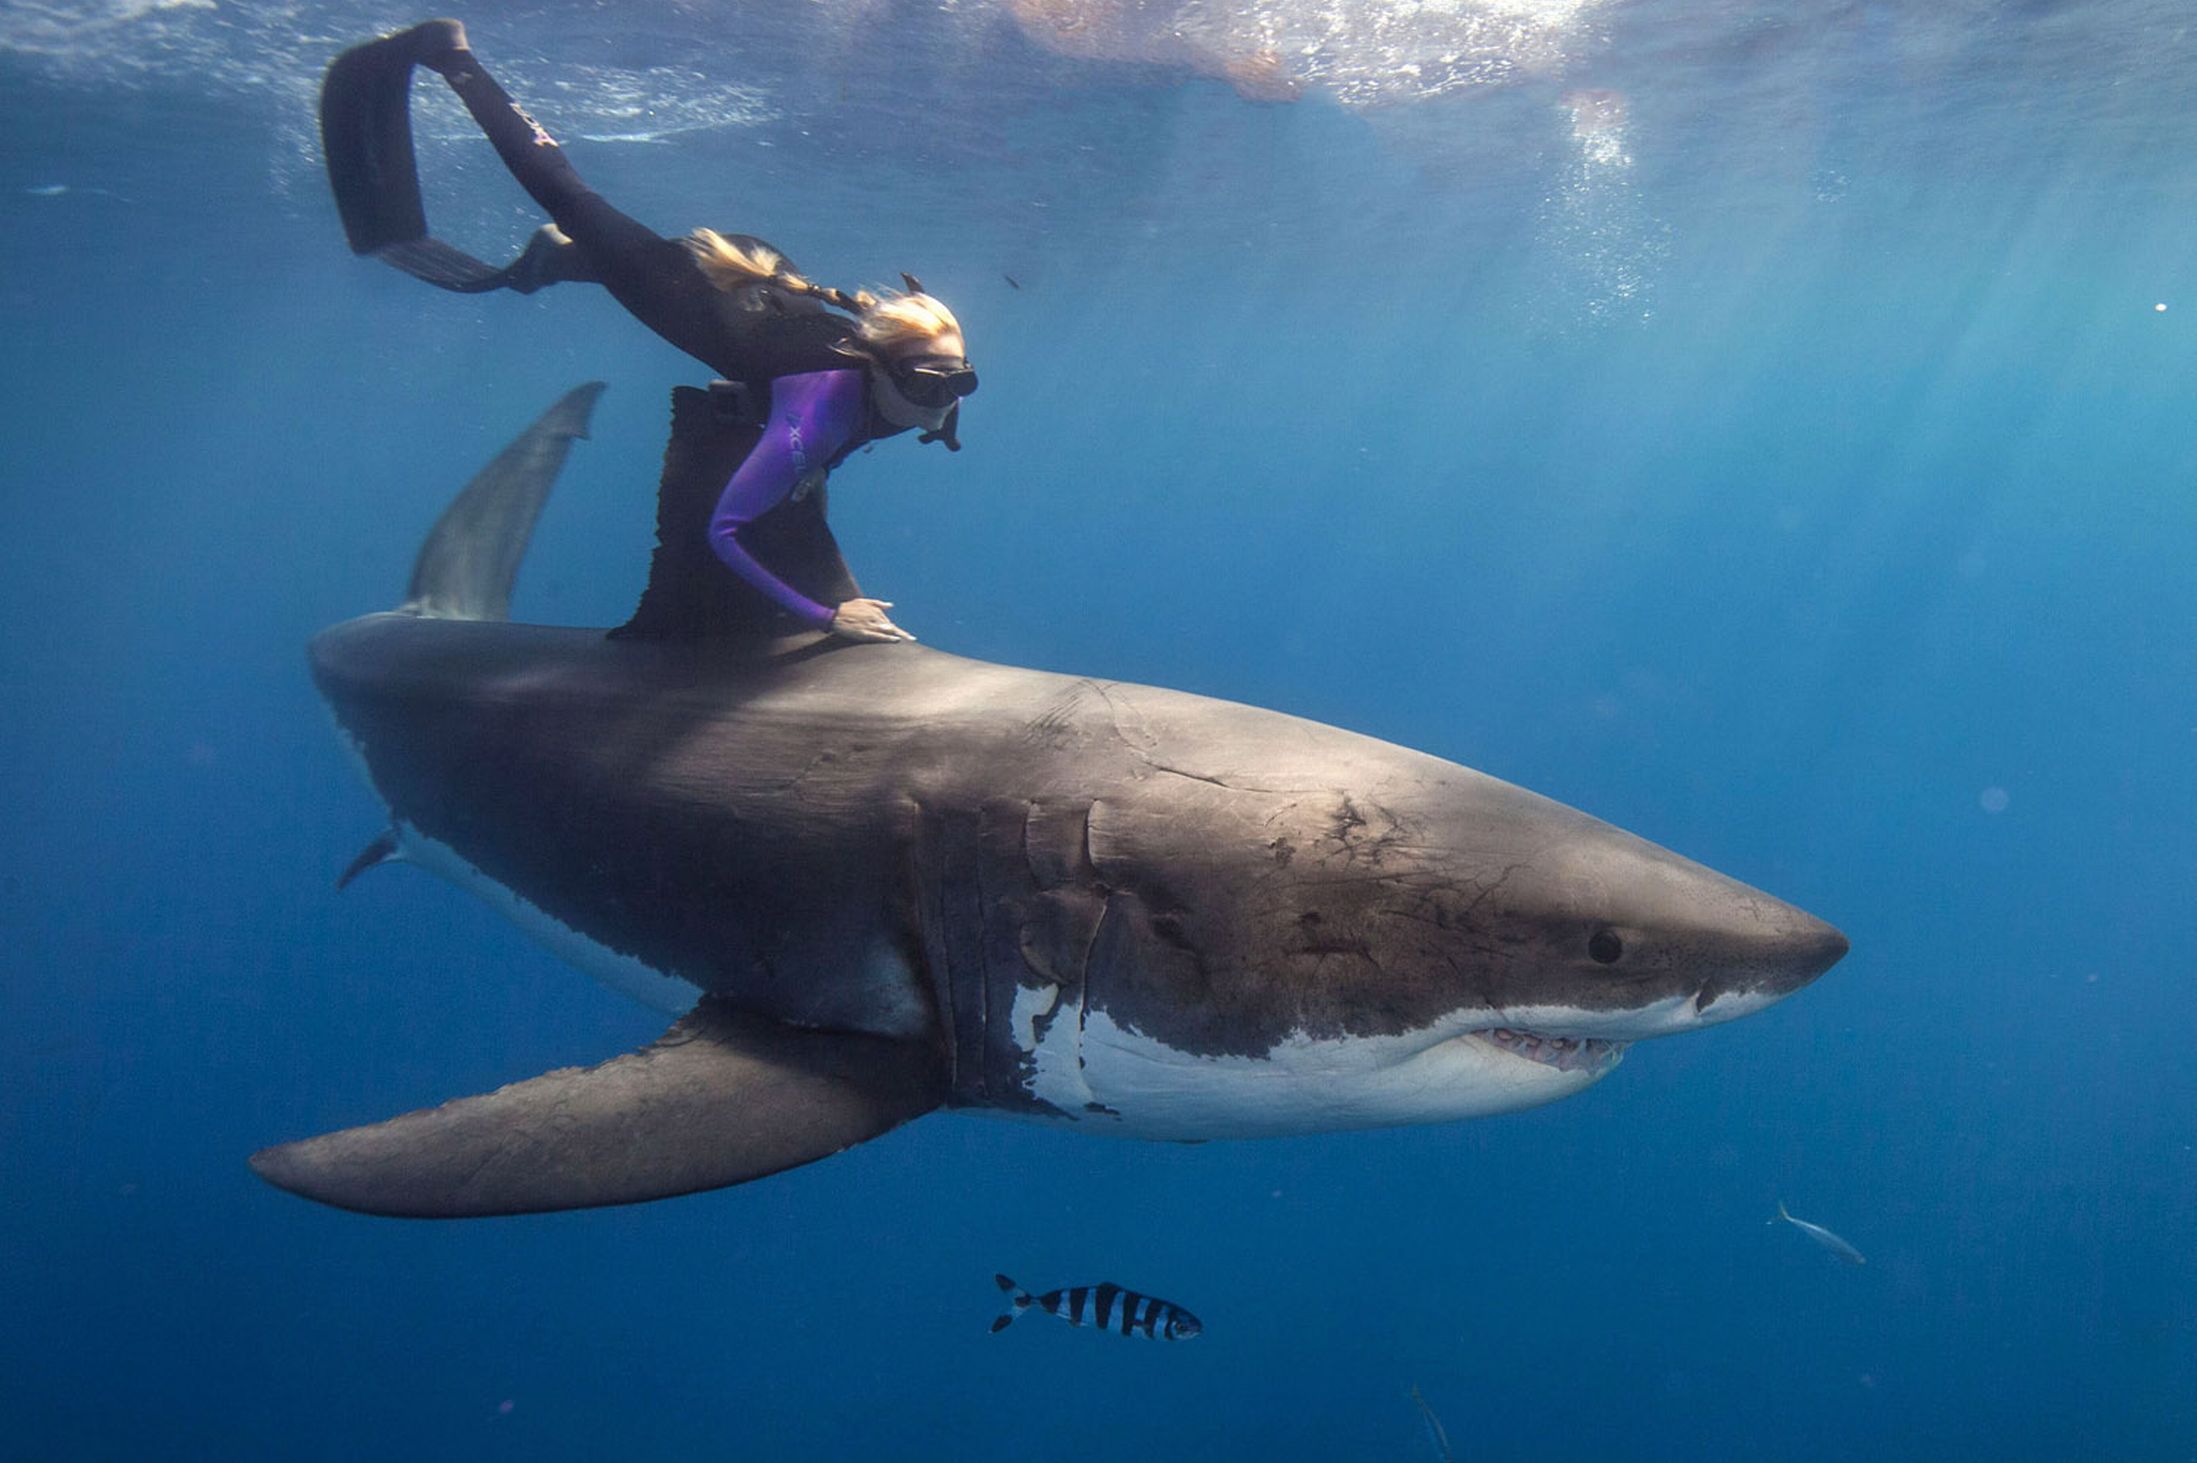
(865, 619)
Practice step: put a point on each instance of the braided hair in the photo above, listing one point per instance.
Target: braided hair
(740, 261)
(884, 320)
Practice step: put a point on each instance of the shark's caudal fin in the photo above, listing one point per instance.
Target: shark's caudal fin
(721, 1098)
(468, 563)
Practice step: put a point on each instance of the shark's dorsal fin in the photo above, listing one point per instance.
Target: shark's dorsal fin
(723, 1097)
(691, 595)
(471, 558)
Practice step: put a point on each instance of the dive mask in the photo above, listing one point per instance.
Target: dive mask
(934, 381)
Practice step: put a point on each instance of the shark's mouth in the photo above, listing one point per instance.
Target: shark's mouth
(1564, 1053)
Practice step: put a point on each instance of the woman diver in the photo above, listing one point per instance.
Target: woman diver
(805, 384)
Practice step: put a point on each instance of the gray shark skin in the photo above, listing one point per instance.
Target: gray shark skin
(889, 879)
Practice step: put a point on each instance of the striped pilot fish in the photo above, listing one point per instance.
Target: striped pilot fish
(1108, 1307)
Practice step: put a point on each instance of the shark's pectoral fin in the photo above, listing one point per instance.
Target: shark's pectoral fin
(383, 850)
(721, 1098)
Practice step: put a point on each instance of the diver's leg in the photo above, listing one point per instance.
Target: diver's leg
(365, 124)
(531, 154)
(528, 151)
(653, 277)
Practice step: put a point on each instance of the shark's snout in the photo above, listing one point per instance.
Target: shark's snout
(1616, 939)
(1812, 950)
(1766, 966)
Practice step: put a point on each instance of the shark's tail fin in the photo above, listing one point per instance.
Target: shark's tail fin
(1782, 1214)
(471, 558)
(1018, 1301)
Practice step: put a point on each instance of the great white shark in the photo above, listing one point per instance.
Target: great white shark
(880, 880)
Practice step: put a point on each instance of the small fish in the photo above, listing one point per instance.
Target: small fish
(1108, 1307)
(1010, 279)
(1821, 1236)
(1436, 1433)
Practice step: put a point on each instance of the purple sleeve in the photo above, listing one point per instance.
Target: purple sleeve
(812, 416)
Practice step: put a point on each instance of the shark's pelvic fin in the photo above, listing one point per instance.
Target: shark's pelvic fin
(721, 1098)
(470, 560)
(383, 850)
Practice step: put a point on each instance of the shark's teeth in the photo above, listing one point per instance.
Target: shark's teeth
(1565, 1053)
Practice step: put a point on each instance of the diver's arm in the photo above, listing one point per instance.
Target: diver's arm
(812, 416)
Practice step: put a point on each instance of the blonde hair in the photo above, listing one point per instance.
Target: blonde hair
(893, 320)
(885, 320)
(732, 264)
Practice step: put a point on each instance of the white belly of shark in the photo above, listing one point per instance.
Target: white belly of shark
(1106, 1078)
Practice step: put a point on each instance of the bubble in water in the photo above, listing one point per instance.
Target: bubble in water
(1598, 221)
(1598, 125)
(1361, 52)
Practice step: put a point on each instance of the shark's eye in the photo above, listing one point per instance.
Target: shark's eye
(1604, 947)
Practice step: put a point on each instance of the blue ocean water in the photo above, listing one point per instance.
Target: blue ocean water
(1767, 428)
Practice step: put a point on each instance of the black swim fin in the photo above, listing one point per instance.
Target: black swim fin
(366, 136)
